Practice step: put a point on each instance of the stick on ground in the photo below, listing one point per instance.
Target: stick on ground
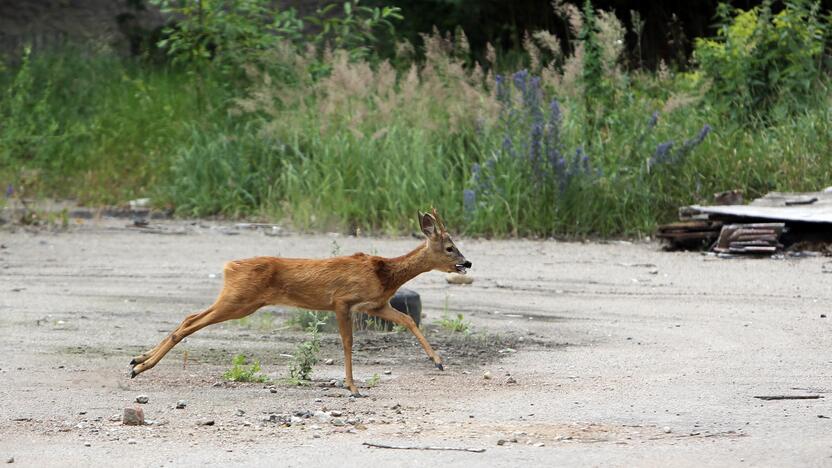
(413, 447)
(788, 397)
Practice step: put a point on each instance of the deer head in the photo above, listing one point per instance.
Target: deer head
(443, 254)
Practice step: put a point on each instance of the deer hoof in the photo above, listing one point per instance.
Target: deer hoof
(440, 366)
(133, 362)
(357, 395)
(133, 374)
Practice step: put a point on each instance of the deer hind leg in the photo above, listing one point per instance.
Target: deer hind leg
(221, 311)
(392, 315)
(188, 320)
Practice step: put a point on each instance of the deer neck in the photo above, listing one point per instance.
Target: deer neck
(408, 266)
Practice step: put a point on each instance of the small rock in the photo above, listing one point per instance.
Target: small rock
(666, 429)
(181, 404)
(240, 412)
(87, 444)
(329, 362)
(457, 278)
(321, 416)
(511, 380)
(338, 422)
(335, 413)
(10, 460)
(272, 390)
(539, 444)
(143, 399)
(822, 315)
(487, 375)
(133, 416)
(501, 442)
(352, 421)
(388, 372)
(131, 441)
(205, 422)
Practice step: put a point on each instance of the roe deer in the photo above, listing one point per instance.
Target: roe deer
(357, 283)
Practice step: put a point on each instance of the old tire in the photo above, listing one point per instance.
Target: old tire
(407, 301)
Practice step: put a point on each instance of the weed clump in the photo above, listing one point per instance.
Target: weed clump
(240, 372)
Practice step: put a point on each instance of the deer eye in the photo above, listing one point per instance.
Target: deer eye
(449, 249)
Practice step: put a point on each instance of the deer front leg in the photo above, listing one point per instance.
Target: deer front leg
(392, 315)
(342, 313)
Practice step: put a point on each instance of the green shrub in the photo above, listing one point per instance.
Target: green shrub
(456, 324)
(306, 356)
(760, 60)
(240, 372)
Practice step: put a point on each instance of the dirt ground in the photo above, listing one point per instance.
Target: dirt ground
(623, 355)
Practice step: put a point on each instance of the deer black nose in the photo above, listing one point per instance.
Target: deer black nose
(467, 264)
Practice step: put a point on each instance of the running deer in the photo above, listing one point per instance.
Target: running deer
(344, 285)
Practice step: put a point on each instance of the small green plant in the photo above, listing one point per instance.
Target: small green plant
(456, 324)
(240, 372)
(399, 328)
(374, 380)
(305, 319)
(263, 321)
(306, 356)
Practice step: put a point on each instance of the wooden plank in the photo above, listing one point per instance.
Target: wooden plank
(689, 235)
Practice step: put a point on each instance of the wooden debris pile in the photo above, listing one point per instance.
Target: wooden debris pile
(754, 238)
(690, 234)
(766, 226)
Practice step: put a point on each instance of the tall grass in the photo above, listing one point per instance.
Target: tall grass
(100, 128)
(574, 144)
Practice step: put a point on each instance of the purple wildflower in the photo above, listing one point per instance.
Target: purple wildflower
(9, 191)
(536, 144)
(662, 154)
(520, 79)
(654, 119)
(469, 201)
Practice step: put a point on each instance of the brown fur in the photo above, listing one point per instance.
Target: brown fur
(357, 283)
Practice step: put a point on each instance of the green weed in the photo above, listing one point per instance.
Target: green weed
(307, 319)
(240, 372)
(456, 324)
(306, 356)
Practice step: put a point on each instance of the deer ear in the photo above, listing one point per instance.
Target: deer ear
(428, 224)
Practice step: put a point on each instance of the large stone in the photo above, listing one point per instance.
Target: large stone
(133, 416)
(457, 278)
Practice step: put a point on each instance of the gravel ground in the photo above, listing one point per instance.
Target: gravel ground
(613, 354)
